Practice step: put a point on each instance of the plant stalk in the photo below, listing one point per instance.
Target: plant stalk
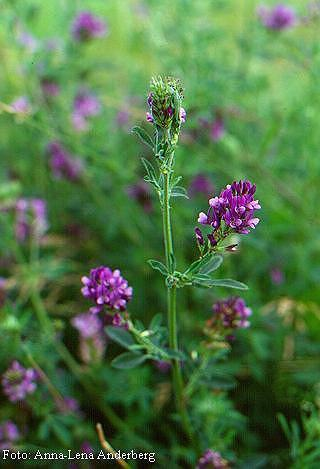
(171, 305)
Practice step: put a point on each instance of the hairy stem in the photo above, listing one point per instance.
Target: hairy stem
(172, 310)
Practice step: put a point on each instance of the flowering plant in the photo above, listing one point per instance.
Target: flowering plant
(232, 212)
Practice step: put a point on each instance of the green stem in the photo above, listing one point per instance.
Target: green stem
(172, 310)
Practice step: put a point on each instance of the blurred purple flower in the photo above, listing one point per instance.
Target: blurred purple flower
(3, 295)
(85, 105)
(162, 366)
(86, 447)
(87, 324)
(107, 289)
(211, 459)
(21, 105)
(201, 184)
(87, 26)
(277, 276)
(26, 39)
(278, 18)
(141, 193)
(63, 165)
(122, 117)
(9, 433)
(92, 338)
(231, 313)
(68, 405)
(31, 218)
(18, 381)
(217, 130)
(50, 88)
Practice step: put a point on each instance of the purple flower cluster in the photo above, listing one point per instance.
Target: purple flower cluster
(164, 103)
(85, 105)
(167, 111)
(278, 18)
(62, 164)
(92, 338)
(211, 459)
(141, 193)
(231, 313)
(9, 433)
(107, 289)
(31, 218)
(18, 381)
(87, 26)
(235, 207)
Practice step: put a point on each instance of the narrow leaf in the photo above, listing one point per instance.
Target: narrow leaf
(155, 322)
(179, 191)
(212, 264)
(224, 282)
(128, 360)
(143, 135)
(151, 173)
(120, 336)
(157, 265)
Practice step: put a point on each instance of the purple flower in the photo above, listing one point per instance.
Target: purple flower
(85, 105)
(277, 276)
(31, 218)
(164, 103)
(18, 381)
(141, 193)
(9, 433)
(3, 285)
(231, 313)
(200, 184)
(63, 165)
(122, 117)
(217, 129)
(87, 324)
(149, 117)
(27, 40)
(68, 405)
(278, 18)
(183, 114)
(87, 26)
(50, 88)
(199, 236)
(86, 447)
(92, 338)
(107, 289)
(211, 459)
(162, 366)
(21, 105)
(232, 211)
